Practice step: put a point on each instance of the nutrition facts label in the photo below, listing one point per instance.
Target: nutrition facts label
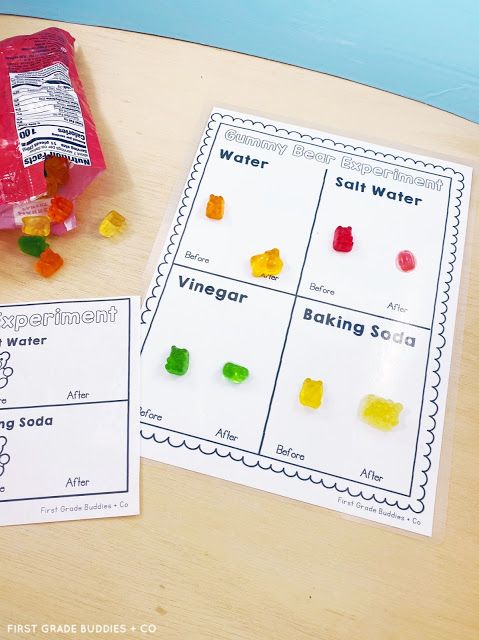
(48, 116)
(358, 318)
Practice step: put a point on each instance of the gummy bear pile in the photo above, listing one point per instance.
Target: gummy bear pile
(57, 220)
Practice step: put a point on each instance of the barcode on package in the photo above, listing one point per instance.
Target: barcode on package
(48, 116)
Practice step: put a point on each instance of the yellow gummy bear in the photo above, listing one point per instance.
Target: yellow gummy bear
(379, 412)
(112, 224)
(36, 225)
(311, 393)
(268, 263)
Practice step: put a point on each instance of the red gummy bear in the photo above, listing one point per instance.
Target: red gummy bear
(406, 261)
(343, 239)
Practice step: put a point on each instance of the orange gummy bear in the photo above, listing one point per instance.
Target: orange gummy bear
(48, 263)
(56, 173)
(215, 208)
(60, 209)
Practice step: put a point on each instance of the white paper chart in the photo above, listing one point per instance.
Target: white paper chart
(353, 320)
(69, 380)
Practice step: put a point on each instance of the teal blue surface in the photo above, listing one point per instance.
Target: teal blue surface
(427, 50)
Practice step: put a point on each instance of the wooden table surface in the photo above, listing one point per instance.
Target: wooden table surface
(209, 559)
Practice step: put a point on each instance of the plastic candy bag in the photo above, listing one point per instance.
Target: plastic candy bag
(43, 112)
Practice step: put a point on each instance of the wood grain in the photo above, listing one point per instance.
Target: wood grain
(209, 559)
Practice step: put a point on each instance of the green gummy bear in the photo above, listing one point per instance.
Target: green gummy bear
(33, 245)
(178, 361)
(235, 372)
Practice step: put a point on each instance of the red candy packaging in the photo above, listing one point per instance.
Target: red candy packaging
(44, 114)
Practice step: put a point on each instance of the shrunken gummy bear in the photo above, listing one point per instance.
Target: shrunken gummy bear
(268, 263)
(405, 261)
(215, 208)
(380, 413)
(311, 394)
(178, 361)
(343, 239)
(235, 372)
(48, 263)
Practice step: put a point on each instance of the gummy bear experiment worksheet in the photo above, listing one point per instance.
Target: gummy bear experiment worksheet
(69, 446)
(376, 320)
